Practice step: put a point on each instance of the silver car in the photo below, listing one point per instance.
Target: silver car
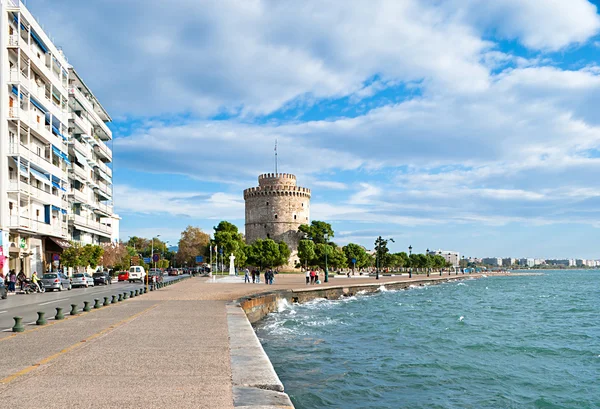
(82, 280)
(56, 281)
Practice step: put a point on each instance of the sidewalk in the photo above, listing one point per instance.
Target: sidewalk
(166, 349)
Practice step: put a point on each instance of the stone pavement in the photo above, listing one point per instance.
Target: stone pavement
(166, 349)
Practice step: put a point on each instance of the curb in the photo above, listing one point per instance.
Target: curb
(255, 382)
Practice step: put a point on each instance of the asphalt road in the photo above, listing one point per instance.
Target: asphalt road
(27, 305)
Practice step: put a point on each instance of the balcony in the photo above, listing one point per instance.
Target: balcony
(102, 150)
(38, 227)
(104, 209)
(84, 222)
(83, 124)
(79, 172)
(42, 162)
(13, 40)
(79, 196)
(102, 166)
(80, 147)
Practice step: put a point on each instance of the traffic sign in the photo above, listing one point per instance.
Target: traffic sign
(155, 257)
(147, 260)
(353, 261)
(221, 250)
(55, 257)
(199, 259)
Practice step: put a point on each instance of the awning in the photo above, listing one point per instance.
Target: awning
(16, 92)
(56, 245)
(103, 174)
(55, 208)
(60, 154)
(40, 176)
(58, 186)
(38, 105)
(23, 170)
(16, 19)
(81, 159)
(38, 41)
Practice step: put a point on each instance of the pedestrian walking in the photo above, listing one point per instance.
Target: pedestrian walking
(312, 276)
(246, 276)
(21, 278)
(307, 277)
(12, 282)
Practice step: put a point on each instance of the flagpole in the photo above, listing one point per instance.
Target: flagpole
(275, 156)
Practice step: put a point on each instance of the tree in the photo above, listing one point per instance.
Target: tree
(356, 252)
(306, 251)
(71, 257)
(228, 238)
(117, 256)
(265, 253)
(317, 231)
(284, 253)
(91, 255)
(382, 252)
(193, 242)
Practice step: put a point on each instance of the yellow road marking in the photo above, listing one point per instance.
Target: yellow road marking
(44, 361)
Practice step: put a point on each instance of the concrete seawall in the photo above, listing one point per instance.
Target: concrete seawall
(255, 382)
(258, 306)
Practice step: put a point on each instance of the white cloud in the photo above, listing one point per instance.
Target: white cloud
(545, 25)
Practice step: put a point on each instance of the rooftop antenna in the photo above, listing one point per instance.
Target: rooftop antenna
(275, 155)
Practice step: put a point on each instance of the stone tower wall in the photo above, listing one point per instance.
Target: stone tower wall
(276, 209)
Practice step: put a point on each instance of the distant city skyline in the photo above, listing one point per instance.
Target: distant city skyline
(458, 125)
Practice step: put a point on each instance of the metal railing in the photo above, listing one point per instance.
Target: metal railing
(91, 224)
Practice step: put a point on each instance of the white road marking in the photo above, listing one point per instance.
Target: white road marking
(2, 312)
(50, 302)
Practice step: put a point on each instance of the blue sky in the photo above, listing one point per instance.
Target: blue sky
(465, 125)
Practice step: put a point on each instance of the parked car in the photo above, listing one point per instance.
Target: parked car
(173, 272)
(101, 277)
(56, 281)
(123, 276)
(3, 290)
(136, 273)
(155, 273)
(82, 280)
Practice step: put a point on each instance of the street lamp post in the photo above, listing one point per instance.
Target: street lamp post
(326, 252)
(410, 268)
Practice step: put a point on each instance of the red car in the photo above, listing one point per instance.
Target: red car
(123, 276)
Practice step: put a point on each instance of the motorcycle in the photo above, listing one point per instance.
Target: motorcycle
(30, 287)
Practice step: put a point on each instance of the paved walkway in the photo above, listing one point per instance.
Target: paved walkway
(165, 349)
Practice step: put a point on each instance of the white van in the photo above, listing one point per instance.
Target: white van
(137, 273)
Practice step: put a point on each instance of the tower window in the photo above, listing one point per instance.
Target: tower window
(275, 217)
(294, 217)
(267, 203)
(268, 236)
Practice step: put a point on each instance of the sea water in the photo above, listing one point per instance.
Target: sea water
(495, 342)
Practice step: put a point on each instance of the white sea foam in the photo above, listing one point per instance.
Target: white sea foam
(461, 318)
(361, 292)
(282, 305)
(382, 289)
(461, 284)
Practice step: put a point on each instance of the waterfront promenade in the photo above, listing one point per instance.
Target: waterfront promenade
(166, 349)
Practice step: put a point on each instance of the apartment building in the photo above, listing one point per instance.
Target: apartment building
(452, 257)
(47, 196)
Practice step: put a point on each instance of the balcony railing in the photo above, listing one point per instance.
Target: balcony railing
(22, 222)
(44, 163)
(104, 168)
(103, 150)
(104, 208)
(79, 171)
(90, 224)
(82, 123)
(13, 40)
(80, 197)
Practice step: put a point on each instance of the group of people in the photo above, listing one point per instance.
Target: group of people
(12, 278)
(312, 277)
(255, 274)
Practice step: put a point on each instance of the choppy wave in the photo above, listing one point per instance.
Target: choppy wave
(524, 340)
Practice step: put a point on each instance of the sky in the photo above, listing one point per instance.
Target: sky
(463, 125)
